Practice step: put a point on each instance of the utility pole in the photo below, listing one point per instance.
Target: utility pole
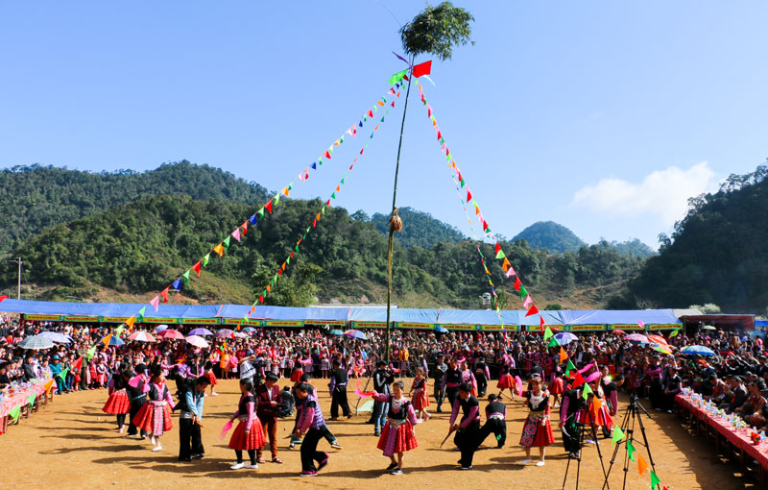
(18, 290)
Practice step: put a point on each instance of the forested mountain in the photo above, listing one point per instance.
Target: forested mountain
(420, 229)
(551, 236)
(717, 254)
(37, 196)
(141, 247)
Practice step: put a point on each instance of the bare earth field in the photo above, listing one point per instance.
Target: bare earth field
(72, 444)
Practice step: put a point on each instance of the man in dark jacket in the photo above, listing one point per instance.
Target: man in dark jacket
(268, 396)
(339, 380)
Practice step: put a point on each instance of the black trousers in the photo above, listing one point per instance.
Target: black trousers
(482, 386)
(452, 392)
(190, 440)
(339, 399)
(496, 427)
(571, 436)
(466, 440)
(439, 395)
(135, 407)
(309, 452)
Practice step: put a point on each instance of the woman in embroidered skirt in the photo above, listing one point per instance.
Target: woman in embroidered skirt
(249, 434)
(154, 416)
(420, 394)
(537, 430)
(506, 381)
(398, 435)
(118, 403)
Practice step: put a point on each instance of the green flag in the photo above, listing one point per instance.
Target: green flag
(91, 352)
(548, 333)
(118, 331)
(288, 260)
(206, 259)
(225, 242)
(296, 248)
(186, 274)
(655, 480)
(631, 450)
(31, 400)
(553, 343)
(260, 212)
(674, 334)
(141, 313)
(617, 435)
(276, 200)
(397, 77)
(333, 195)
(14, 413)
(523, 292)
(569, 367)
(586, 392)
(63, 374)
(500, 255)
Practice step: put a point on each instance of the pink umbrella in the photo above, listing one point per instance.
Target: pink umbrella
(197, 341)
(619, 332)
(171, 334)
(657, 339)
(225, 333)
(636, 337)
(141, 336)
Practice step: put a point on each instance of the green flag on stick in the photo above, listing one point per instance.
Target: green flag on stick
(631, 450)
(617, 436)
(31, 400)
(14, 413)
(548, 333)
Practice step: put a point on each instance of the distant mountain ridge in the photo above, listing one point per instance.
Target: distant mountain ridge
(551, 236)
(36, 196)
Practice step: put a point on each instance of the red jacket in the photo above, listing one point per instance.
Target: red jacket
(265, 410)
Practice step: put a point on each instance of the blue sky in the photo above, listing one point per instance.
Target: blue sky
(602, 116)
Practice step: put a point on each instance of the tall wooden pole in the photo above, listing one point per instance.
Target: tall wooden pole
(394, 209)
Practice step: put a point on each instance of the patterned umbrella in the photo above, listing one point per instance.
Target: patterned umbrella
(200, 331)
(565, 338)
(197, 341)
(36, 342)
(441, 330)
(357, 334)
(698, 350)
(57, 337)
(248, 330)
(336, 332)
(160, 328)
(636, 337)
(171, 334)
(141, 336)
(225, 333)
(115, 340)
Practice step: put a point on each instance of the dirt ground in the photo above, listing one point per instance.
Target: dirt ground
(71, 444)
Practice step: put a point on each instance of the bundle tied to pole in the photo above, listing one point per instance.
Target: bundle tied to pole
(395, 222)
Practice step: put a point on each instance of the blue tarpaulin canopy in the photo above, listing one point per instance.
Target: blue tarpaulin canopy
(342, 313)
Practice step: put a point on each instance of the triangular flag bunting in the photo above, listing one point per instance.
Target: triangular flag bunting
(532, 311)
(196, 268)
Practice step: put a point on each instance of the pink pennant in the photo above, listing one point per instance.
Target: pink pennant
(155, 302)
(511, 272)
(528, 301)
(236, 234)
(642, 325)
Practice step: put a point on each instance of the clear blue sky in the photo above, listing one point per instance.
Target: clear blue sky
(602, 116)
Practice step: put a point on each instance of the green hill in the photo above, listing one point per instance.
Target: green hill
(37, 196)
(420, 229)
(139, 248)
(717, 254)
(551, 236)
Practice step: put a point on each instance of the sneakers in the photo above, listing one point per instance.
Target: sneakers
(251, 467)
(120, 430)
(323, 463)
(540, 463)
(197, 456)
(237, 466)
(398, 471)
(157, 448)
(214, 394)
(463, 468)
(153, 441)
(377, 433)
(391, 467)
(335, 445)
(525, 462)
(308, 473)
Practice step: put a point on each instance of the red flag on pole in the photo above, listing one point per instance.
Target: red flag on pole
(422, 69)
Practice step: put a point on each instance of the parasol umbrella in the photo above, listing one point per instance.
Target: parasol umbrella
(36, 342)
(197, 341)
(160, 328)
(248, 330)
(636, 337)
(663, 348)
(708, 327)
(115, 340)
(200, 331)
(441, 330)
(658, 339)
(225, 333)
(619, 332)
(698, 350)
(141, 336)
(355, 334)
(336, 332)
(565, 338)
(171, 334)
(56, 337)
(240, 335)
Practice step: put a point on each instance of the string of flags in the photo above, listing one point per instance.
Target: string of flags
(238, 233)
(509, 271)
(327, 204)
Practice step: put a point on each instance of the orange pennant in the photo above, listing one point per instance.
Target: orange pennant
(219, 249)
(563, 355)
(642, 466)
(48, 386)
(130, 321)
(506, 264)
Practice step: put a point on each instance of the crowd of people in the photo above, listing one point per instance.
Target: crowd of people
(147, 382)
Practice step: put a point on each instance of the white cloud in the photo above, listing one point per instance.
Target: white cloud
(663, 193)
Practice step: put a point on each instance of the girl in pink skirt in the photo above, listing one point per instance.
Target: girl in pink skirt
(398, 435)
(249, 434)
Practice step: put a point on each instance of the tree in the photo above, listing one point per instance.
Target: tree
(436, 30)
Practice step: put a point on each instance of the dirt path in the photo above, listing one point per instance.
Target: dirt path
(71, 443)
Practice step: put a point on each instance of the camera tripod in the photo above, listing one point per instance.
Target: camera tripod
(631, 416)
(579, 445)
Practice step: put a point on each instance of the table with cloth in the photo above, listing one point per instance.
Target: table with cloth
(20, 398)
